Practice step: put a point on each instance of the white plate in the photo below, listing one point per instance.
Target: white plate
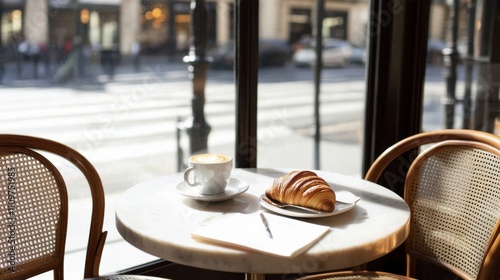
(234, 188)
(340, 207)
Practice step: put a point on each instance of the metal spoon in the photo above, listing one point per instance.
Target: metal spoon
(280, 205)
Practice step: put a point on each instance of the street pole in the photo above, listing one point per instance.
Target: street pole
(469, 65)
(171, 40)
(196, 126)
(3, 57)
(81, 39)
(451, 59)
(320, 6)
(246, 50)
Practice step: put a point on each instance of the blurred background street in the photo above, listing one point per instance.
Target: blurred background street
(128, 123)
(135, 113)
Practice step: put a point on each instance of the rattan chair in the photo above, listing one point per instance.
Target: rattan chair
(453, 191)
(34, 209)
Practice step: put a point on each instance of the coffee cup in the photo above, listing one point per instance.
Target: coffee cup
(209, 172)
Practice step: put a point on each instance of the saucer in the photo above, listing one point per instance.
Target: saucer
(345, 202)
(234, 188)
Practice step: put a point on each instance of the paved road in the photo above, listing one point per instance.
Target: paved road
(131, 120)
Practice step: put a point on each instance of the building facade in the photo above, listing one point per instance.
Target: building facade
(164, 25)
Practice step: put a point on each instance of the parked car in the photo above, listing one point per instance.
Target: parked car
(272, 53)
(358, 55)
(335, 53)
(435, 51)
(222, 57)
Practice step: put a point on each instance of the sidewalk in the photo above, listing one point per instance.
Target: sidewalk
(92, 74)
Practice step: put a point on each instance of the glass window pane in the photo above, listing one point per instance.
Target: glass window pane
(461, 89)
(109, 78)
(287, 124)
(125, 83)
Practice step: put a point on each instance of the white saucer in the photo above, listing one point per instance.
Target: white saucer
(234, 188)
(346, 203)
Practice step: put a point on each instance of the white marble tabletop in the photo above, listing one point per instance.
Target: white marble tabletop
(156, 218)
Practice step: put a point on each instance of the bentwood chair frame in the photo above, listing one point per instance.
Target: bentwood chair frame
(455, 152)
(32, 174)
(37, 209)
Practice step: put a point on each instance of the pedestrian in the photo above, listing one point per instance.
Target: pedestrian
(109, 60)
(67, 48)
(44, 56)
(21, 55)
(34, 55)
(85, 57)
(3, 59)
(136, 52)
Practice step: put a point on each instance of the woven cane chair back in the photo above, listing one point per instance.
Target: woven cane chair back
(35, 211)
(452, 184)
(36, 208)
(453, 190)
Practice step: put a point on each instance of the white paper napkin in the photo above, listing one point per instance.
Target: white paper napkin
(346, 196)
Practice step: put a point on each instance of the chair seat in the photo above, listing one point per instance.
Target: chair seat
(355, 275)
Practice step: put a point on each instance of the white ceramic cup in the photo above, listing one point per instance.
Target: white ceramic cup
(210, 172)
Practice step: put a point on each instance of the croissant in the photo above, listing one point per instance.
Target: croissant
(303, 188)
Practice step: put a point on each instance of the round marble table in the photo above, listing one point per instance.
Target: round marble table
(156, 218)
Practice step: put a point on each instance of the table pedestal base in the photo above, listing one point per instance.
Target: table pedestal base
(254, 276)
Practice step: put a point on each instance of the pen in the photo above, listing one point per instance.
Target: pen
(266, 224)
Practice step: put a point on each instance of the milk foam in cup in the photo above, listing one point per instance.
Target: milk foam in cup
(209, 172)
